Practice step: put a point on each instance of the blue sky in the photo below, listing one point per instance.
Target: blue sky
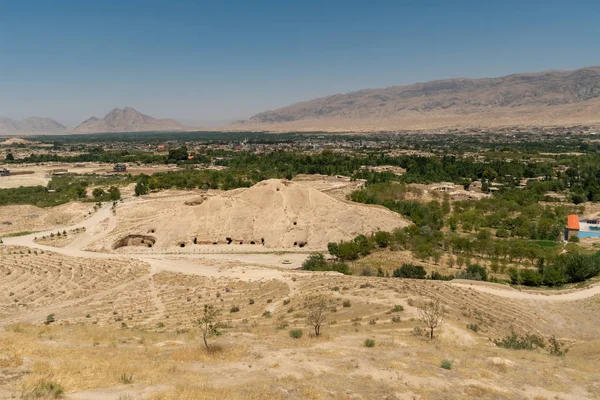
(202, 61)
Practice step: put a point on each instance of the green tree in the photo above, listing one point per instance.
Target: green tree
(98, 192)
(115, 193)
(210, 324)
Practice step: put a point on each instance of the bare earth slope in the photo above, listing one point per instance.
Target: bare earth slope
(545, 98)
(282, 213)
(127, 120)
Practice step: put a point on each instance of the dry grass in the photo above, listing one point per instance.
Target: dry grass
(189, 392)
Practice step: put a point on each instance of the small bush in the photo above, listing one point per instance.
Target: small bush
(286, 302)
(281, 326)
(45, 390)
(234, 308)
(251, 301)
(267, 314)
(346, 304)
(418, 331)
(126, 379)
(296, 333)
(370, 343)
(473, 327)
(396, 319)
(446, 364)
(397, 308)
(517, 342)
(50, 319)
(556, 347)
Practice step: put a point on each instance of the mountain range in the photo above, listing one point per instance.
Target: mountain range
(31, 125)
(127, 120)
(545, 98)
(118, 120)
(542, 99)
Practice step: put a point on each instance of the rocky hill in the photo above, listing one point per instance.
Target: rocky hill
(127, 120)
(31, 125)
(546, 98)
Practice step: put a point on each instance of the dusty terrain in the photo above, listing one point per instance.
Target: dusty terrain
(27, 218)
(271, 215)
(41, 174)
(124, 328)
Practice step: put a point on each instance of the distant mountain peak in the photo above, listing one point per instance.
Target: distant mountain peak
(127, 119)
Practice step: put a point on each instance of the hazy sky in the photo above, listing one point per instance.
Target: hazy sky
(200, 61)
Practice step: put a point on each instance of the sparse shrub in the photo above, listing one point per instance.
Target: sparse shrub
(296, 333)
(346, 304)
(50, 319)
(286, 302)
(365, 286)
(446, 364)
(372, 321)
(473, 327)
(335, 289)
(251, 301)
(160, 325)
(267, 314)
(126, 379)
(370, 343)
(367, 271)
(556, 347)
(45, 389)
(396, 319)
(517, 342)
(436, 276)
(234, 309)
(397, 308)
(269, 301)
(282, 325)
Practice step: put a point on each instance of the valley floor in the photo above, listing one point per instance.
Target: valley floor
(124, 328)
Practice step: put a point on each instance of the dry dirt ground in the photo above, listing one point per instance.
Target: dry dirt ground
(125, 328)
(27, 218)
(40, 174)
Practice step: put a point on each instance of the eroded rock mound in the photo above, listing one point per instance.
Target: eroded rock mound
(272, 213)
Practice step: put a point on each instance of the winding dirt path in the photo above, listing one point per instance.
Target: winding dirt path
(511, 293)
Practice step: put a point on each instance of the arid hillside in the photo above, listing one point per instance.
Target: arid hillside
(545, 98)
(271, 214)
